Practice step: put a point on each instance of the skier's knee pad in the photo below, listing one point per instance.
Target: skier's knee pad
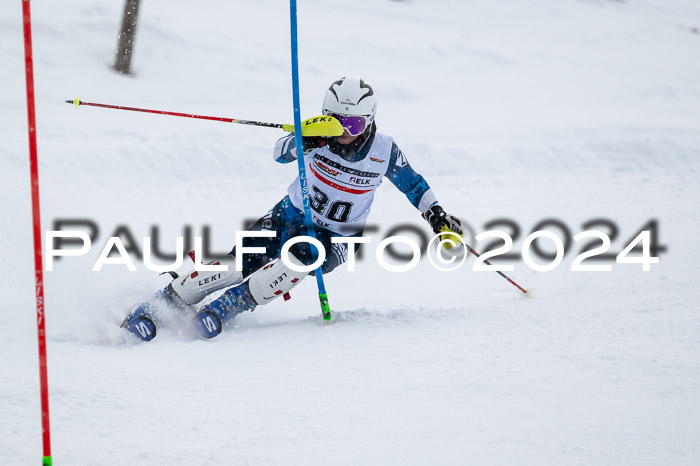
(274, 280)
(194, 287)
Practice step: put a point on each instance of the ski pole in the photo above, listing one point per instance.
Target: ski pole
(525, 291)
(289, 128)
(454, 238)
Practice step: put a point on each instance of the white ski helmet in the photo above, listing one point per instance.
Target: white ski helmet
(351, 96)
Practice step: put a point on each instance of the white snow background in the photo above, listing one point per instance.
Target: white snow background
(562, 109)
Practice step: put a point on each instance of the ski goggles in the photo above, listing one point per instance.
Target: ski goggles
(355, 125)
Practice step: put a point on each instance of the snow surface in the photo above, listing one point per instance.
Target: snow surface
(524, 110)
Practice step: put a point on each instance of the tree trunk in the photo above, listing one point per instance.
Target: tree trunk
(127, 37)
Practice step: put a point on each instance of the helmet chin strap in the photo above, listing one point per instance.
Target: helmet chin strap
(352, 152)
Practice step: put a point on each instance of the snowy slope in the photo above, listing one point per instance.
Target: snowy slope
(573, 110)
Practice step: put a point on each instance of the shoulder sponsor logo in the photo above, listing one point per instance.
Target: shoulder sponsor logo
(373, 159)
(401, 160)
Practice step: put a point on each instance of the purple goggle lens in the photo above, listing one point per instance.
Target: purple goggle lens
(355, 125)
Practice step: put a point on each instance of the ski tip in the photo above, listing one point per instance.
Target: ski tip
(75, 102)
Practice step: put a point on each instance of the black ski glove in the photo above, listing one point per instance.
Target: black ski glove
(310, 143)
(447, 224)
(440, 221)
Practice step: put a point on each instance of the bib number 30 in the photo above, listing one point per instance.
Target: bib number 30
(338, 211)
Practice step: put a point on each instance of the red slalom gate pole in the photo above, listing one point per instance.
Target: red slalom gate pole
(39, 276)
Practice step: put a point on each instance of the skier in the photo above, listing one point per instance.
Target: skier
(343, 173)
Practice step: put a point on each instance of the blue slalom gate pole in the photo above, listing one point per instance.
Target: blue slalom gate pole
(308, 221)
